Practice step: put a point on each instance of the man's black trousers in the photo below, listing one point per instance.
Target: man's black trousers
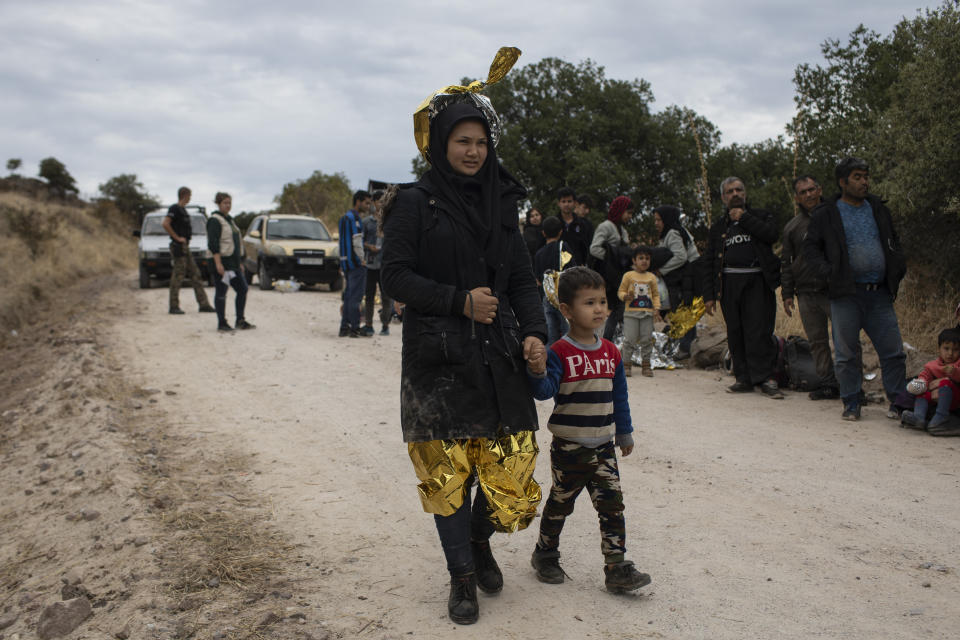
(750, 311)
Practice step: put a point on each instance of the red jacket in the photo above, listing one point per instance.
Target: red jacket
(933, 370)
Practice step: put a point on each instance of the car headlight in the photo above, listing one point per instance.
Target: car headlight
(276, 250)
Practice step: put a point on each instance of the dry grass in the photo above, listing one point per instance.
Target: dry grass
(45, 246)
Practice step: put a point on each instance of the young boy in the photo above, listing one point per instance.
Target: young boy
(641, 296)
(584, 374)
(939, 381)
(547, 258)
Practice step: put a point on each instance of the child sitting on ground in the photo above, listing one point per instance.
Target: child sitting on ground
(591, 416)
(940, 382)
(641, 297)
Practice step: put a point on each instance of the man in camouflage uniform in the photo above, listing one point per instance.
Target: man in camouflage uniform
(177, 224)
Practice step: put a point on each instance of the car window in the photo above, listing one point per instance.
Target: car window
(296, 229)
(255, 226)
(153, 226)
(198, 225)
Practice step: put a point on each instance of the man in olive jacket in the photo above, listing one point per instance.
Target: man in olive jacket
(807, 289)
(851, 242)
(741, 270)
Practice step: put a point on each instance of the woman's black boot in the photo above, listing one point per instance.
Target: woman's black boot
(462, 606)
(489, 577)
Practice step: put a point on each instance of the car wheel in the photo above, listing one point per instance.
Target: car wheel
(337, 283)
(144, 278)
(266, 282)
(248, 275)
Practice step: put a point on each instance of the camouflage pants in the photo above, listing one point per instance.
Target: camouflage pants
(185, 270)
(575, 467)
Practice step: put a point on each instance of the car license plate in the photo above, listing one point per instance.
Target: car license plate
(309, 260)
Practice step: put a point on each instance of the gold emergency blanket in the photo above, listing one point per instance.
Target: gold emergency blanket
(439, 100)
(551, 280)
(504, 468)
(685, 318)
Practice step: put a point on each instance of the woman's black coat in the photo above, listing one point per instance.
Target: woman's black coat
(459, 379)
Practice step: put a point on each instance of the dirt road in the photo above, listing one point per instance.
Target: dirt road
(756, 518)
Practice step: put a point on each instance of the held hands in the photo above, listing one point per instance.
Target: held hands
(535, 354)
(484, 305)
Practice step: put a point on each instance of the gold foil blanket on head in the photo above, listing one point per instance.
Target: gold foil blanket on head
(439, 100)
(504, 468)
(685, 318)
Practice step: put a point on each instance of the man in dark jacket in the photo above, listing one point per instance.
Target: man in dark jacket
(809, 289)
(741, 270)
(851, 242)
(577, 231)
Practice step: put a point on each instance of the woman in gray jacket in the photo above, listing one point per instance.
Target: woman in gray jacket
(610, 235)
(677, 272)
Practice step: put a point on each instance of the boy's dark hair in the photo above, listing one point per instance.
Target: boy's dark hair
(641, 250)
(551, 227)
(803, 178)
(948, 335)
(182, 191)
(576, 278)
(566, 192)
(360, 195)
(585, 199)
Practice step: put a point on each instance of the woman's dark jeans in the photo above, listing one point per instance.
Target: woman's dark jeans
(456, 531)
(239, 284)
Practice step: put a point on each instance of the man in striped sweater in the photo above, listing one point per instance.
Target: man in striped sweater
(591, 417)
(351, 263)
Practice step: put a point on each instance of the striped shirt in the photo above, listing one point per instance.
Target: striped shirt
(590, 392)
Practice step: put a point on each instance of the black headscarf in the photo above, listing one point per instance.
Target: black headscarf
(671, 220)
(489, 198)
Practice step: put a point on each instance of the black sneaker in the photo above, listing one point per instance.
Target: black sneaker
(366, 330)
(224, 327)
(824, 393)
(771, 390)
(489, 577)
(911, 420)
(385, 331)
(206, 309)
(176, 311)
(243, 324)
(851, 411)
(547, 564)
(740, 387)
(344, 332)
(462, 607)
(623, 577)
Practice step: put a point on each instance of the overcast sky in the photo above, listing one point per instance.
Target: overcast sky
(246, 96)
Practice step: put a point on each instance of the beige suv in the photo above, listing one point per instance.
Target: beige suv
(280, 246)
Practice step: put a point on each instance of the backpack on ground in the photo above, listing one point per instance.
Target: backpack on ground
(801, 368)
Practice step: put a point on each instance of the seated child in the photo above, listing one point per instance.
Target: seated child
(641, 296)
(591, 415)
(939, 381)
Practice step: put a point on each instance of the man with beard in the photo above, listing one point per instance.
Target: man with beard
(852, 244)
(577, 231)
(741, 270)
(809, 289)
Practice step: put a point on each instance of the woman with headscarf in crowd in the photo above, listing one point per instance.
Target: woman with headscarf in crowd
(453, 253)
(611, 261)
(678, 272)
(533, 231)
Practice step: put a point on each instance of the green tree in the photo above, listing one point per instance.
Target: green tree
(13, 164)
(57, 176)
(128, 194)
(321, 195)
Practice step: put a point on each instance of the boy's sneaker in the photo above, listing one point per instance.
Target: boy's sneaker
(366, 330)
(489, 577)
(462, 606)
(206, 309)
(912, 421)
(893, 412)
(851, 411)
(547, 564)
(740, 387)
(243, 324)
(224, 327)
(623, 577)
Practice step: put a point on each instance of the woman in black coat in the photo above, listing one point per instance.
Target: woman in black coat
(453, 253)
(533, 231)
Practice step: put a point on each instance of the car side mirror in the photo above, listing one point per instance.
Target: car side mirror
(254, 234)
(136, 233)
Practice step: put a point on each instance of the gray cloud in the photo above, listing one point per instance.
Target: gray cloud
(247, 96)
